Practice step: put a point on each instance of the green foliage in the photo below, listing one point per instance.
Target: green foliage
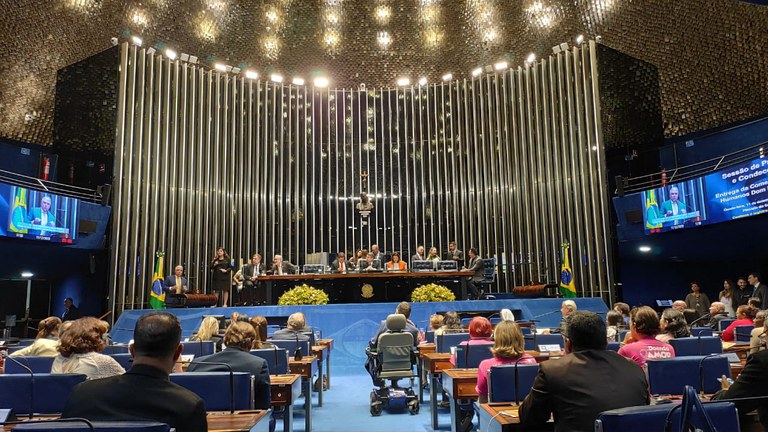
(303, 295)
(432, 293)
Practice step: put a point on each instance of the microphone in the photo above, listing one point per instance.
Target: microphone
(545, 314)
(274, 351)
(297, 355)
(517, 382)
(701, 370)
(31, 384)
(466, 355)
(231, 380)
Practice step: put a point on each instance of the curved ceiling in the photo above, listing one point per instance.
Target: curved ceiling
(711, 56)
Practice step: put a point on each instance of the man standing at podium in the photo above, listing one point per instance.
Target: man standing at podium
(176, 283)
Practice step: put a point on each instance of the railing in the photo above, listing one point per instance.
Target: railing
(22, 180)
(626, 185)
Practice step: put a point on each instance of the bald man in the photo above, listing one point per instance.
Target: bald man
(176, 283)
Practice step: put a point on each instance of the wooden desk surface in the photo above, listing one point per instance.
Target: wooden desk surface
(460, 383)
(425, 348)
(508, 412)
(239, 421)
(319, 351)
(328, 343)
(284, 389)
(302, 367)
(436, 362)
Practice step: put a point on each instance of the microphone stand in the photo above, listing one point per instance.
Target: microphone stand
(31, 385)
(231, 381)
(466, 355)
(297, 355)
(701, 370)
(517, 382)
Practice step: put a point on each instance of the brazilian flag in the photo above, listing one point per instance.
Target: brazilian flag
(19, 212)
(567, 285)
(652, 212)
(157, 295)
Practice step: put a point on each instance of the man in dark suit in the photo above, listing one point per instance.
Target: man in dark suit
(369, 263)
(760, 290)
(751, 382)
(70, 310)
(340, 265)
(419, 255)
(239, 339)
(280, 267)
(296, 330)
(252, 292)
(144, 392)
(176, 283)
(455, 254)
(377, 255)
(584, 383)
(477, 265)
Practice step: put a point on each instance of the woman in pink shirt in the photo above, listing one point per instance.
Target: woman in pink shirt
(480, 330)
(745, 315)
(508, 348)
(644, 326)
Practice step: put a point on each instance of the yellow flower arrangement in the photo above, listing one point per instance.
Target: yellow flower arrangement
(432, 293)
(303, 295)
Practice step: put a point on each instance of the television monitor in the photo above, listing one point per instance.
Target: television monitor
(37, 215)
(447, 265)
(664, 303)
(676, 206)
(422, 265)
(313, 268)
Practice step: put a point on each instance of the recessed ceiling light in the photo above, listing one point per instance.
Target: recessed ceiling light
(171, 54)
(276, 78)
(321, 82)
(477, 71)
(220, 67)
(251, 74)
(422, 81)
(448, 77)
(136, 40)
(644, 249)
(298, 81)
(404, 81)
(26, 274)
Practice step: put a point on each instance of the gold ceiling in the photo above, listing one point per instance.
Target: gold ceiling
(712, 56)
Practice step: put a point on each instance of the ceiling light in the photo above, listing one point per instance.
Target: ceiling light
(184, 57)
(477, 71)
(531, 58)
(383, 38)
(251, 74)
(171, 54)
(272, 15)
(402, 82)
(321, 82)
(422, 81)
(579, 39)
(27, 274)
(193, 59)
(448, 77)
(298, 81)
(644, 249)
(150, 50)
(220, 67)
(501, 66)
(136, 40)
(276, 78)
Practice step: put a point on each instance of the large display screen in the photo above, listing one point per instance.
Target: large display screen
(38, 215)
(736, 192)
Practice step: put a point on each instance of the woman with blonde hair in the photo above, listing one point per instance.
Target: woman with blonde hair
(208, 331)
(80, 351)
(46, 341)
(508, 348)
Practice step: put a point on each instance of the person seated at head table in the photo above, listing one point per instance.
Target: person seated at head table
(508, 348)
(144, 393)
(644, 325)
(340, 264)
(433, 255)
(396, 264)
(451, 324)
(295, 330)
(419, 255)
(368, 263)
(46, 342)
(80, 351)
(240, 338)
(745, 316)
(480, 331)
(672, 325)
(280, 267)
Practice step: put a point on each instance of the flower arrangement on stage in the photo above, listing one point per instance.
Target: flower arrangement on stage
(432, 293)
(303, 295)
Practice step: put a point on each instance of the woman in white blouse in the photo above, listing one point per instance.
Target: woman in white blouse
(79, 351)
(46, 341)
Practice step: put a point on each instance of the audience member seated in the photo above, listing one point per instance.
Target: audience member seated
(755, 302)
(259, 324)
(435, 322)
(295, 330)
(673, 325)
(589, 380)
(679, 305)
(403, 308)
(568, 307)
(644, 326)
(240, 338)
(745, 315)
(208, 331)
(79, 351)
(395, 263)
(716, 313)
(144, 392)
(508, 348)
(751, 382)
(757, 336)
(46, 342)
(480, 331)
(623, 309)
(614, 322)
(507, 315)
(451, 324)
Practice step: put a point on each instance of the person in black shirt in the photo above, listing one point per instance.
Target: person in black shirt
(741, 294)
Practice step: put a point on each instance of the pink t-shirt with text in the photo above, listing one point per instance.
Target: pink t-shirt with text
(485, 366)
(647, 348)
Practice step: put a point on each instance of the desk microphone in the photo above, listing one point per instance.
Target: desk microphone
(274, 351)
(231, 381)
(701, 370)
(466, 355)
(705, 316)
(297, 355)
(31, 385)
(517, 382)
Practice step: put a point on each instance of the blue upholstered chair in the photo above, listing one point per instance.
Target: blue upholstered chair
(701, 331)
(47, 396)
(614, 346)
(125, 360)
(529, 341)
(198, 348)
(290, 346)
(444, 342)
(696, 346)
(724, 323)
(115, 349)
(472, 357)
(742, 333)
(622, 335)
(670, 376)
(214, 388)
(37, 364)
(271, 329)
(654, 418)
(507, 383)
(98, 426)
(277, 359)
(495, 320)
(429, 336)
(465, 322)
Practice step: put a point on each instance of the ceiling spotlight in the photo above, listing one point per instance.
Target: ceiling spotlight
(531, 58)
(477, 71)
(564, 46)
(383, 38)
(579, 39)
(321, 82)
(276, 78)
(193, 59)
(235, 70)
(171, 54)
(448, 77)
(298, 81)
(644, 249)
(422, 81)
(150, 50)
(184, 57)
(220, 67)
(251, 74)
(405, 81)
(501, 66)
(136, 40)
(27, 274)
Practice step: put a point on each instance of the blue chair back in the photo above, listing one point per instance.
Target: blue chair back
(489, 270)
(26, 342)
(116, 349)
(495, 320)
(444, 342)
(724, 323)
(470, 356)
(214, 389)
(548, 339)
(37, 364)
(312, 338)
(653, 418)
(198, 348)
(742, 333)
(98, 426)
(695, 346)
(622, 335)
(614, 346)
(125, 360)
(701, 331)
(429, 335)
(465, 322)
(526, 330)
(530, 342)
(277, 359)
(670, 376)
(505, 384)
(271, 329)
(48, 397)
(290, 346)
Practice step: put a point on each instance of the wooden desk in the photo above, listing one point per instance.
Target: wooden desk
(492, 420)
(423, 349)
(434, 364)
(247, 421)
(328, 343)
(459, 384)
(304, 368)
(319, 352)
(285, 389)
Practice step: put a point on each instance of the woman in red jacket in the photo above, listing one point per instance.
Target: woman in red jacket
(744, 316)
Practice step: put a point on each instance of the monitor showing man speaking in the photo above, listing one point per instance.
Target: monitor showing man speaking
(37, 215)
